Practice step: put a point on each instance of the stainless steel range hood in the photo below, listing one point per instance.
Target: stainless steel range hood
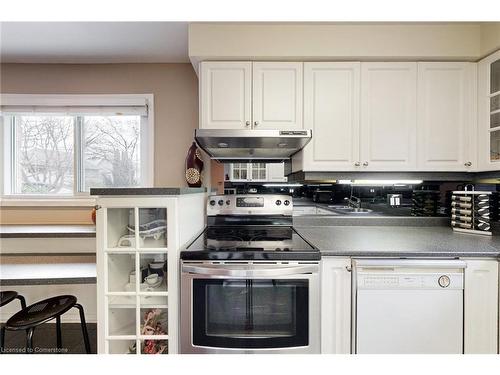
(230, 146)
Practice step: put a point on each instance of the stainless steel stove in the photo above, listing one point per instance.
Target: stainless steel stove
(250, 282)
(249, 227)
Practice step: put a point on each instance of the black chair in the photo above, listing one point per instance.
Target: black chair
(41, 312)
(9, 296)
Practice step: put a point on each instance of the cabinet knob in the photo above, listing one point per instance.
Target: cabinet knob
(365, 164)
(256, 123)
(468, 164)
(247, 123)
(357, 164)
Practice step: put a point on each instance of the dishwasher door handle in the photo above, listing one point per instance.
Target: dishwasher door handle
(409, 263)
(256, 272)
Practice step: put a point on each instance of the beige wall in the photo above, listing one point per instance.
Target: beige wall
(428, 41)
(46, 215)
(490, 37)
(175, 89)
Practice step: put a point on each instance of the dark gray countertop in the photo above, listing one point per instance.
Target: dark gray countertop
(48, 274)
(353, 220)
(47, 231)
(147, 191)
(399, 241)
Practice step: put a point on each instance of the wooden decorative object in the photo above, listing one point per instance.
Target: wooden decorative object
(194, 166)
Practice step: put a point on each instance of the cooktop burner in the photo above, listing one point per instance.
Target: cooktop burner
(250, 243)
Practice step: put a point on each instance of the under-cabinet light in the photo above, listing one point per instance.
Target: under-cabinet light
(282, 185)
(379, 182)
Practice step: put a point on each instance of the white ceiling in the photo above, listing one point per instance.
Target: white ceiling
(94, 42)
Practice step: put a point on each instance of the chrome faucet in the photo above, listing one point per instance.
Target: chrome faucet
(353, 201)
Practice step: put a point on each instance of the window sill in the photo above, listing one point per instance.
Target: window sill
(16, 201)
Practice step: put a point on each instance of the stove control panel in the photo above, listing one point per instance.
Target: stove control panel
(249, 204)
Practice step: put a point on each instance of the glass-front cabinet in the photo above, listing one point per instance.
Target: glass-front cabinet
(255, 172)
(138, 242)
(489, 112)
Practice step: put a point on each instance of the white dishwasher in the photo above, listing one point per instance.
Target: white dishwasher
(405, 306)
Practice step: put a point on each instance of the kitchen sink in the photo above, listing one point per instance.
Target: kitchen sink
(331, 210)
(313, 210)
(351, 210)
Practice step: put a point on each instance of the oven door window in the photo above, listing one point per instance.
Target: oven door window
(253, 313)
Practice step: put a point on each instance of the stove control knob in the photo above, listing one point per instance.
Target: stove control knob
(278, 202)
(212, 203)
(286, 203)
(444, 281)
(228, 202)
(221, 202)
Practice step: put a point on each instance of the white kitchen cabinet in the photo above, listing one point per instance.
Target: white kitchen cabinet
(226, 95)
(446, 116)
(126, 255)
(246, 95)
(256, 172)
(247, 172)
(331, 110)
(277, 95)
(489, 113)
(481, 307)
(335, 305)
(388, 116)
(276, 172)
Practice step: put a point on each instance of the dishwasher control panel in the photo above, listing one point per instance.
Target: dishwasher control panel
(434, 280)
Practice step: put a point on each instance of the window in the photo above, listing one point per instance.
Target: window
(67, 150)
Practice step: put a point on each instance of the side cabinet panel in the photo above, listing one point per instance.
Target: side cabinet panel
(336, 306)
(481, 307)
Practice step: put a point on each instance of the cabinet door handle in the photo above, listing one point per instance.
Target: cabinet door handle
(468, 164)
(247, 123)
(365, 164)
(357, 164)
(256, 123)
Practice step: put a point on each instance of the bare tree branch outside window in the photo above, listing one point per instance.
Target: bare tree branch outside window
(45, 154)
(112, 151)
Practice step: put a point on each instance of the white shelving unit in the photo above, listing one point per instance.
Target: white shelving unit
(122, 304)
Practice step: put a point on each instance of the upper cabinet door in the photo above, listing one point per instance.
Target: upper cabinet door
(331, 110)
(276, 172)
(226, 95)
(489, 113)
(388, 116)
(277, 95)
(446, 116)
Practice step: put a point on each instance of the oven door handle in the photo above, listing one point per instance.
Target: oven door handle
(238, 272)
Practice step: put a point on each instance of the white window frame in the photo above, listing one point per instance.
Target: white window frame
(104, 100)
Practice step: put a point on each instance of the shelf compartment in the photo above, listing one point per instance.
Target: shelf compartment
(494, 120)
(495, 146)
(119, 268)
(153, 322)
(118, 221)
(122, 321)
(154, 346)
(495, 103)
(155, 264)
(152, 228)
(122, 346)
(495, 77)
(122, 301)
(153, 300)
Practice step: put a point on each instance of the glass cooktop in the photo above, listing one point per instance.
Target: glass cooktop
(246, 242)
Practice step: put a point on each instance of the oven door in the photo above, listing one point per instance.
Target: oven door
(235, 308)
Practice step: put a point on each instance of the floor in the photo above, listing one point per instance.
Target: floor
(44, 339)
